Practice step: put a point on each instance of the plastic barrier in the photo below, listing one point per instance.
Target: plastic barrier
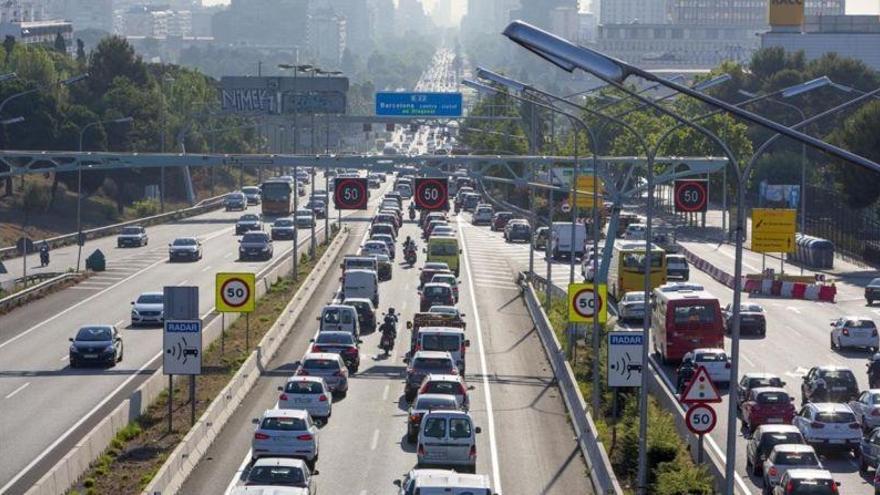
(776, 288)
(813, 252)
(752, 285)
(827, 293)
(812, 293)
(787, 288)
(797, 292)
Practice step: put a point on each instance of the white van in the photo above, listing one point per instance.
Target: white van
(635, 232)
(443, 482)
(360, 263)
(448, 438)
(444, 339)
(361, 283)
(561, 240)
(339, 318)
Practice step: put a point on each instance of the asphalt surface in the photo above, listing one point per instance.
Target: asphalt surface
(35, 378)
(527, 443)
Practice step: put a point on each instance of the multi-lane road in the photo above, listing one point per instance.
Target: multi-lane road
(527, 443)
(46, 406)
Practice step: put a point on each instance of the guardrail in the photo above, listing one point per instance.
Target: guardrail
(598, 465)
(66, 472)
(206, 204)
(18, 298)
(190, 450)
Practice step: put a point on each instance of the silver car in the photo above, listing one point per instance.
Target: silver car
(867, 409)
(328, 366)
(278, 476)
(632, 306)
(185, 248)
(309, 393)
(788, 456)
(286, 433)
(148, 309)
(448, 438)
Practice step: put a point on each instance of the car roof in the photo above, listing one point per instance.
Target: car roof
(448, 397)
(340, 306)
(280, 461)
(446, 412)
(832, 367)
(709, 350)
(285, 413)
(321, 355)
(442, 377)
(757, 374)
(832, 407)
(760, 390)
(334, 333)
(793, 447)
(770, 429)
(153, 293)
(446, 478)
(801, 473)
(306, 378)
(451, 330)
(432, 355)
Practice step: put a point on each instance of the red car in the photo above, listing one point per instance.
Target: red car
(500, 219)
(767, 405)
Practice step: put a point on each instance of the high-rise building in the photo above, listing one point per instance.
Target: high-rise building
(539, 12)
(327, 32)
(359, 19)
(488, 16)
(87, 14)
(564, 21)
(279, 23)
(752, 13)
(630, 11)
(411, 15)
(383, 15)
(852, 36)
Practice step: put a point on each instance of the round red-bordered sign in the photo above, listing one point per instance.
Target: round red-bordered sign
(431, 194)
(691, 196)
(700, 418)
(350, 194)
(235, 292)
(583, 303)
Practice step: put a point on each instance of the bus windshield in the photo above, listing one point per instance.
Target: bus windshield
(276, 191)
(444, 249)
(635, 262)
(695, 313)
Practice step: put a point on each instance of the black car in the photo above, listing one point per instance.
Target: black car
(255, 245)
(99, 344)
(872, 291)
(517, 230)
(247, 223)
(343, 343)
(366, 314)
(829, 384)
(436, 295)
(751, 319)
(131, 236)
(283, 228)
(235, 201)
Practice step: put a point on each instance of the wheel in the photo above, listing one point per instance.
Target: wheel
(73, 363)
(757, 469)
(870, 302)
(121, 353)
(831, 338)
(749, 465)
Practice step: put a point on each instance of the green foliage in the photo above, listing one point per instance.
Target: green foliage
(35, 198)
(859, 135)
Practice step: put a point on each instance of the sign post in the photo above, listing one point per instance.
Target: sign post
(773, 230)
(583, 195)
(236, 293)
(431, 194)
(182, 341)
(625, 358)
(583, 301)
(691, 196)
(350, 193)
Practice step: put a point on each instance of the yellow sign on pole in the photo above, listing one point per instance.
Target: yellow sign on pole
(235, 292)
(581, 303)
(584, 189)
(773, 230)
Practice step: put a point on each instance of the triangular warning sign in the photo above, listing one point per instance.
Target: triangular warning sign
(700, 389)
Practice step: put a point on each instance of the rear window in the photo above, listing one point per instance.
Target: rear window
(459, 428)
(283, 424)
(765, 382)
(813, 487)
(835, 417)
(432, 363)
(321, 364)
(773, 398)
(838, 376)
(304, 388)
(796, 459)
(448, 388)
(333, 338)
(425, 403)
(276, 475)
(434, 342)
(694, 314)
(435, 427)
(436, 291)
(860, 324)
(772, 439)
(711, 357)
(131, 231)
(752, 308)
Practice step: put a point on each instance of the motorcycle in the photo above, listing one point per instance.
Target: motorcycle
(412, 214)
(410, 256)
(386, 343)
(44, 257)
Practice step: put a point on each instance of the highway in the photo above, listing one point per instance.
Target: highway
(526, 445)
(35, 377)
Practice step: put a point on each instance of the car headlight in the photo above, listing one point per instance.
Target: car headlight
(73, 349)
(265, 249)
(109, 348)
(134, 312)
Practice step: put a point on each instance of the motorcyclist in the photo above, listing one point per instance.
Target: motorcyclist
(412, 211)
(874, 371)
(685, 374)
(44, 254)
(389, 331)
(409, 243)
(392, 317)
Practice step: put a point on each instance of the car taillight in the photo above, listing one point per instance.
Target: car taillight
(773, 471)
(854, 426)
(302, 372)
(421, 449)
(351, 350)
(282, 397)
(789, 488)
(473, 453)
(418, 347)
(261, 436)
(815, 424)
(322, 398)
(317, 348)
(415, 418)
(846, 332)
(307, 437)
(339, 373)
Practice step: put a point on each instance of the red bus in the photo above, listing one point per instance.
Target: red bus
(278, 197)
(684, 320)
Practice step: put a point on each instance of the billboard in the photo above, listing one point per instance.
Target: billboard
(786, 12)
(419, 104)
(779, 195)
(283, 95)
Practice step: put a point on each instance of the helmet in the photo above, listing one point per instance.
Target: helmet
(390, 311)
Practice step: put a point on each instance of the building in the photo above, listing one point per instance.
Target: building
(155, 22)
(359, 22)
(411, 15)
(264, 23)
(565, 22)
(383, 14)
(88, 14)
(539, 12)
(751, 13)
(588, 24)
(22, 11)
(853, 36)
(630, 11)
(327, 40)
(488, 16)
(38, 32)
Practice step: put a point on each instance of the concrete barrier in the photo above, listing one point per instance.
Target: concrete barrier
(598, 465)
(25, 295)
(67, 471)
(189, 452)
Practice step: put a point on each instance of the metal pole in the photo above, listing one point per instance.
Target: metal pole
(192, 400)
(548, 253)
(247, 332)
(170, 400)
(573, 199)
(803, 194)
(646, 335)
(597, 331)
(532, 228)
(327, 209)
(162, 188)
(295, 251)
(222, 334)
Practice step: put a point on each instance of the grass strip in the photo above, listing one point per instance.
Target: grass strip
(138, 451)
(671, 469)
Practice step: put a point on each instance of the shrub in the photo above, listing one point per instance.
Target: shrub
(145, 207)
(35, 198)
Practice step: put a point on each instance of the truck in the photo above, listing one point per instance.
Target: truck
(560, 238)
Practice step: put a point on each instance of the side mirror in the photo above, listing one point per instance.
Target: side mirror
(791, 399)
(281, 389)
(460, 251)
(406, 360)
(397, 483)
(132, 303)
(462, 315)
(169, 245)
(471, 387)
(312, 340)
(316, 472)
(318, 318)
(409, 325)
(255, 421)
(70, 339)
(478, 430)
(360, 341)
(781, 384)
(467, 343)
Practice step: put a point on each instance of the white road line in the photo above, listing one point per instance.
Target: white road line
(794, 309)
(227, 255)
(499, 287)
(375, 441)
(493, 447)
(385, 392)
(183, 283)
(19, 389)
(85, 288)
(497, 276)
(119, 323)
(66, 356)
(751, 363)
(206, 268)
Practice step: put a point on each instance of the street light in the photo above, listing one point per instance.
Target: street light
(79, 240)
(14, 120)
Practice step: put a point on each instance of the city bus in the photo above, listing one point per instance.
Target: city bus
(278, 197)
(626, 272)
(684, 320)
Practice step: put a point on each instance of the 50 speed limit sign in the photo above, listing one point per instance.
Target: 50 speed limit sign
(350, 193)
(582, 303)
(235, 292)
(691, 195)
(431, 194)
(700, 419)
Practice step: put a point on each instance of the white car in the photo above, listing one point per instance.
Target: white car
(448, 438)
(374, 247)
(854, 331)
(788, 456)
(430, 481)
(286, 433)
(715, 360)
(278, 476)
(309, 393)
(482, 215)
(632, 306)
(148, 309)
(867, 409)
(635, 232)
(829, 425)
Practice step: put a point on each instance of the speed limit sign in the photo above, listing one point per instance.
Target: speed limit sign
(350, 193)
(691, 195)
(235, 292)
(432, 194)
(582, 303)
(700, 419)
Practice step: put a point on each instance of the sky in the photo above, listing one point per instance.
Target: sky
(460, 6)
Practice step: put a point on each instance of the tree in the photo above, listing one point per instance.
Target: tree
(80, 51)
(8, 44)
(114, 57)
(60, 45)
(859, 135)
(768, 61)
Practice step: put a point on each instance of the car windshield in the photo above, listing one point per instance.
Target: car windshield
(634, 296)
(432, 363)
(92, 334)
(304, 388)
(283, 424)
(675, 261)
(697, 313)
(283, 222)
(334, 338)
(150, 299)
(249, 218)
(838, 376)
(446, 310)
(276, 191)
(131, 231)
(428, 403)
(276, 475)
(444, 249)
(254, 237)
(796, 459)
(835, 417)
(435, 342)
(447, 388)
(813, 487)
(772, 439)
(711, 357)
(765, 382)
(184, 242)
(250, 190)
(321, 364)
(874, 283)
(873, 398)
(773, 398)
(304, 213)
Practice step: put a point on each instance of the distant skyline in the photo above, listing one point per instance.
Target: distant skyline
(459, 7)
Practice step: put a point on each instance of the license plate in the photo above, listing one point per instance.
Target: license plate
(837, 440)
(301, 401)
(838, 389)
(774, 420)
(90, 356)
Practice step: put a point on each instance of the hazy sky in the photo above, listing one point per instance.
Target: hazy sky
(459, 6)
